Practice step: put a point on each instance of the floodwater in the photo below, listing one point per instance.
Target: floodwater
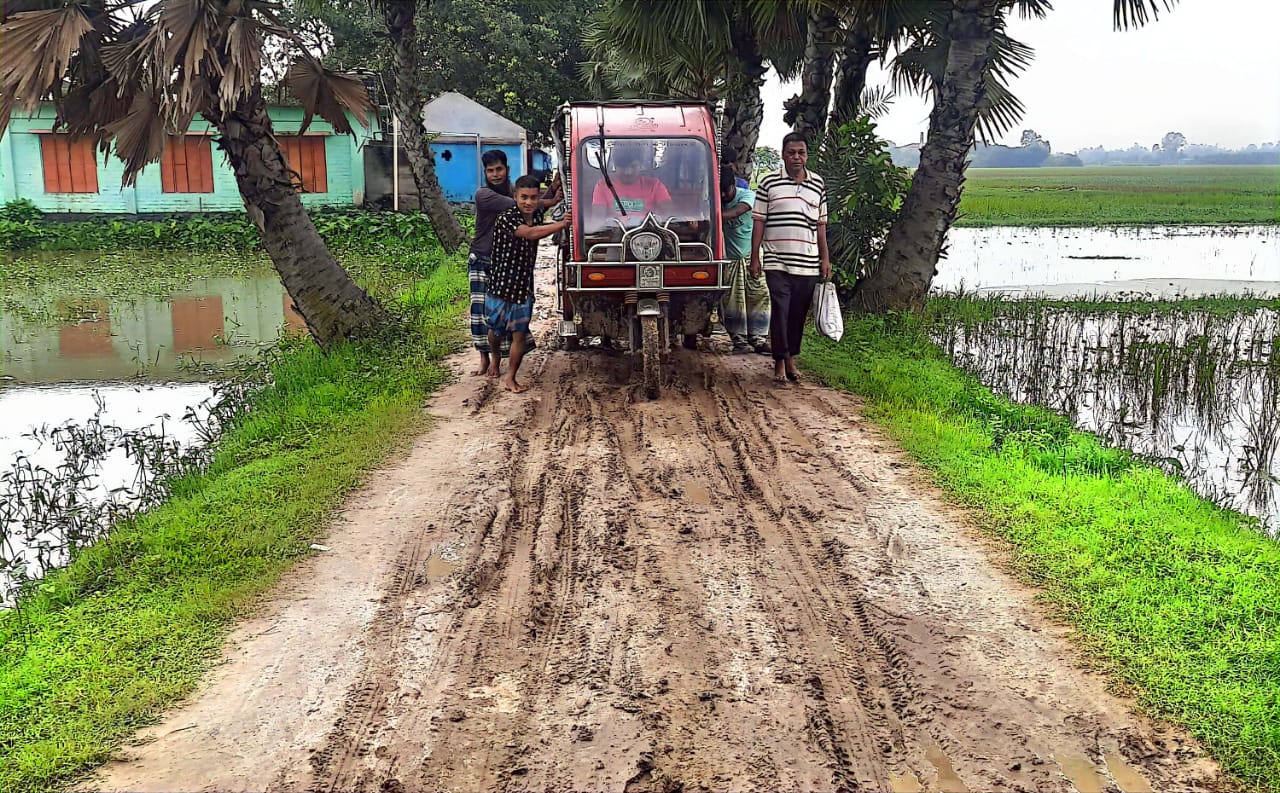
(1084, 261)
(143, 360)
(1195, 392)
(1198, 393)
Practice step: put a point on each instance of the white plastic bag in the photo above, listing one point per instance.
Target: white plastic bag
(826, 311)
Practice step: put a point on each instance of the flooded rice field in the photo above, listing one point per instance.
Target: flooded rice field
(102, 376)
(1157, 260)
(1198, 393)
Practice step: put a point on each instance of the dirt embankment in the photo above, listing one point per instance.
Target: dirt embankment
(735, 587)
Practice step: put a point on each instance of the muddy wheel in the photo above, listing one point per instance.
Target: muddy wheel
(652, 353)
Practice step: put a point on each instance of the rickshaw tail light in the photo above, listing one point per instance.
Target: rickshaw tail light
(608, 276)
(689, 276)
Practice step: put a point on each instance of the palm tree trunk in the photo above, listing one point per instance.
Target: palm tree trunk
(807, 111)
(744, 109)
(851, 74)
(914, 243)
(401, 23)
(332, 305)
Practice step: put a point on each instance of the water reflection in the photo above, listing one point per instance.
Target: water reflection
(92, 338)
(1199, 392)
(139, 361)
(1091, 258)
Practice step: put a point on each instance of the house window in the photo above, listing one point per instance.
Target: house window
(305, 154)
(187, 165)
(69, 164)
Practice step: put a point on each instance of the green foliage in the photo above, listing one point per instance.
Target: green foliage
(20, 210)
(766, 158)
(132, 623)
(342, 229)
(517, 58)
(1106, 195)
(865, 190)
(1172, 595)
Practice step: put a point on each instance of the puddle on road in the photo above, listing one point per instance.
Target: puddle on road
(1082, 773)
(442, 562)
(1128, 778)
(697, 493)
(948, 780)
(905, 783)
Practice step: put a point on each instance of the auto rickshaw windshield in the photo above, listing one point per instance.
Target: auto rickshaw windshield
(670, 178)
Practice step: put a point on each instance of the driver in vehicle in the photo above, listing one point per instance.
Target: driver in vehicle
(638, 192)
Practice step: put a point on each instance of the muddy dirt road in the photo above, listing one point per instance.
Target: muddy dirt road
(736, 587)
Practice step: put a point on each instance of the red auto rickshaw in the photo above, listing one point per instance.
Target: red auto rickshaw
(643, 262)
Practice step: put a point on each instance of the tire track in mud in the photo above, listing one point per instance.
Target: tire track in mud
(734, 587)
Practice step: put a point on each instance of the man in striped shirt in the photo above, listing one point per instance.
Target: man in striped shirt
(789, 242)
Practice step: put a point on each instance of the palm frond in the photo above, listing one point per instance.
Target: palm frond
(243, 63)
(1136, 13)
(326, 93)
(875, 101)
(1033, 9)
(998, 111)
(36, 49)
(139, 136)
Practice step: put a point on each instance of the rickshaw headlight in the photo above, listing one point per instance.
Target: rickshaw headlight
(646, 246)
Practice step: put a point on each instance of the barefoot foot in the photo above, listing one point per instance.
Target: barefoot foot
(514, 387)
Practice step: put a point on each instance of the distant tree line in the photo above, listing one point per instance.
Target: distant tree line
(1173, 149)
(1034, 152)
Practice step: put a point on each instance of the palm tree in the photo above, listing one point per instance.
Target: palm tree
(806, 112)
(130, 82)
(400, 18)
(722, 48)
(965, 60)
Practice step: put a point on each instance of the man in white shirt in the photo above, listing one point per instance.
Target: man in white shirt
(789, 243)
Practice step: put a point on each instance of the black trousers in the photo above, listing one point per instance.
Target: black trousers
(789, 299)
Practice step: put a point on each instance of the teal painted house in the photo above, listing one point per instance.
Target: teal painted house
(60, 174)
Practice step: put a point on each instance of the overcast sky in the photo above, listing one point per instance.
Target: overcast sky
(1209, 69)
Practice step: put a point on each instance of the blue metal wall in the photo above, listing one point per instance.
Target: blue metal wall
(458, 166)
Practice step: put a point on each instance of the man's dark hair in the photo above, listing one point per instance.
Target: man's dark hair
(624, 155)
(528, 181)
(795, 137)
(727, 178)
(494, 157)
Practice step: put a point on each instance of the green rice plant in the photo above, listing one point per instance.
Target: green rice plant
(1112, 195)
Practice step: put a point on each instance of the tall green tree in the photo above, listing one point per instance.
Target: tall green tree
(806, 112)
(679, 43)
(518, 58)
(965, 61)
(130, 77)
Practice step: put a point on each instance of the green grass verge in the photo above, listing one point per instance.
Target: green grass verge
(130, 626)
(1105, 195)
(1174, 597)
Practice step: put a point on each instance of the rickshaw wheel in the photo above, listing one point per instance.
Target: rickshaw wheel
(652, 356)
